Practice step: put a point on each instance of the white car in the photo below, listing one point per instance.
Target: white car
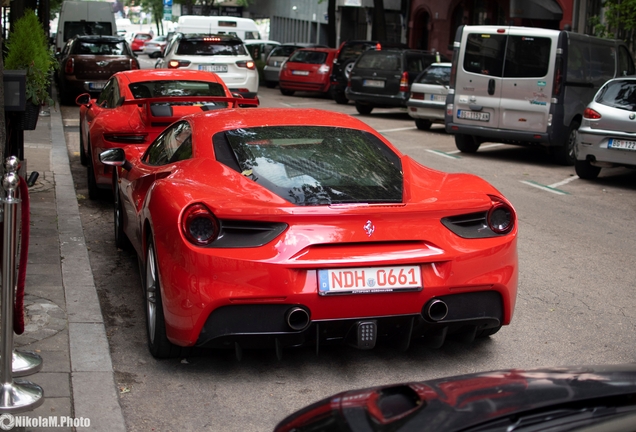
(427, 102)
(222, 54)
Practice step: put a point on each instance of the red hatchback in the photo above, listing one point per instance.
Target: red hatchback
(307, 69)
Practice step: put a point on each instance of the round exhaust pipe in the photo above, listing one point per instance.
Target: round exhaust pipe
(436, 310)
(297, 318)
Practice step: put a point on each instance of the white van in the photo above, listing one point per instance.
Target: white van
(528, 86)
(84, 18)
(243, 28)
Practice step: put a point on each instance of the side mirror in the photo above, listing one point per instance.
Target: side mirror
(83, 99)
(113, 157)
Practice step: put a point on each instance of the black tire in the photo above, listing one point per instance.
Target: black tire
(83, 158)
(66, 97)
(93, 190)
(585, 170)
(423, 124)
(340, 98)
(487, 332)
(363, 108)
(158, 343)
(287, 92)
(564, 155)
(466, 143)
(270, 84)
(121, 239)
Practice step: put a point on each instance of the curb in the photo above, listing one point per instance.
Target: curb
(93, 387)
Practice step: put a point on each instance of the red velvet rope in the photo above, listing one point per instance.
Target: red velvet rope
(18, 312)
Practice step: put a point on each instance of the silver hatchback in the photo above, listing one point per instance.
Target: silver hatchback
(427, 100)
(607, 137)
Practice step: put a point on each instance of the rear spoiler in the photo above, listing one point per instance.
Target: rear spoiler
(233, 102)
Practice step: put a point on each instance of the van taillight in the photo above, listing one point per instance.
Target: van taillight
(589, 113)
(558, 77)
(69, 67)
(404, 82)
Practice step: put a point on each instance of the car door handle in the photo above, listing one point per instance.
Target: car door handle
(491, 86)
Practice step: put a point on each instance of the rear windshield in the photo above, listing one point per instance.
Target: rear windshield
(618, 94)
(283, 51)
(380, 60)
(151, 89)
(81, 28)
(435, 75)
(315, 165)
(210, 47)
(353, 50)
(507, 56)
(311, 57)
(99, 48)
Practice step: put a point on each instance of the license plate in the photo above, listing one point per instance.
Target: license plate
(373, 83)
(297, 72)
(473, 115)
(621, 144)
(213, 68)
(96, 86)
(366, 280)
(436, 97)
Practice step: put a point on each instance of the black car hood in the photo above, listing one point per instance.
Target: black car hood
(460, 402)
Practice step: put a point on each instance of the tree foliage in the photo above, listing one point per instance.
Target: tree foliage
(619, 21)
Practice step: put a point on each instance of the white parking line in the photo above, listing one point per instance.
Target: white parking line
(544, 187)
(397, 129)
(441, 153)
(481, 147)
(566, 181)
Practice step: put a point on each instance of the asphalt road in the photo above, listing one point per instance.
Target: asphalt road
(575, 304)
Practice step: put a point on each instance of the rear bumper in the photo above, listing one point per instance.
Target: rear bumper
(500, 135)
(592, 145)
(266, 326)
(321, 87)
(396, 100)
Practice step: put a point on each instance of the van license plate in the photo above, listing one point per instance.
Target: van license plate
(367, 280)
(373, 83)
(473, 115)
(213, 68)
(621, 144)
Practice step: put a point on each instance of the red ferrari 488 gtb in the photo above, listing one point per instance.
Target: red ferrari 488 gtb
(136, 105)
(287, 227)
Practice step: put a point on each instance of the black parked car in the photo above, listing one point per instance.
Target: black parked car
(348, 53)
(594, 398)
(383, 78)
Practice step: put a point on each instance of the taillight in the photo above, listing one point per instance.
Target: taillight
(199, 225)
(323, 69)
(69, 67)
(173, 64)
(558, 77)
(134, 64)
(419, 96)
(404, 82)
(501, 217)
(249, 64)
(126, 138)
(589, 113)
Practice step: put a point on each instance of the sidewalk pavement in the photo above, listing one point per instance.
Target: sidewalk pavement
(63, 321)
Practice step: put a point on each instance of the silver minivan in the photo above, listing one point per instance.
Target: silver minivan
(527, 86)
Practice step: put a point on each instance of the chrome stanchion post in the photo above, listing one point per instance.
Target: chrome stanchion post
(19, 395)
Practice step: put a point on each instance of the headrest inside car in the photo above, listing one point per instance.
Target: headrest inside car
(161, 110)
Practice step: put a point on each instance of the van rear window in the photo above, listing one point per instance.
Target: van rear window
(80, 28)
(525, 57)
